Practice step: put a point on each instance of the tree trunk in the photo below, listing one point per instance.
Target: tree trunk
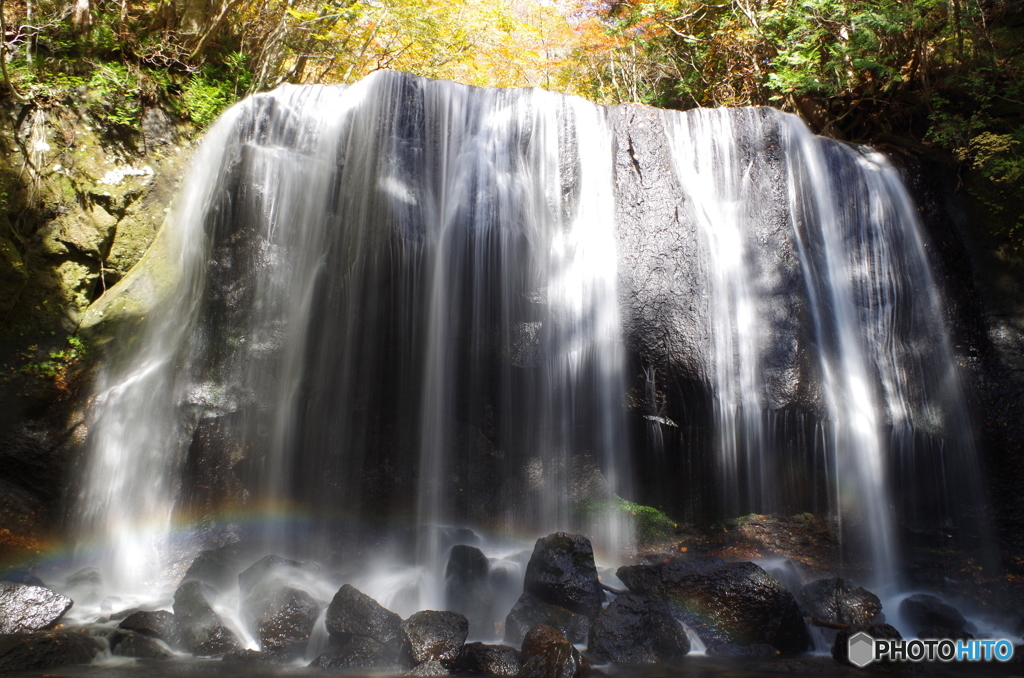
(81, 15)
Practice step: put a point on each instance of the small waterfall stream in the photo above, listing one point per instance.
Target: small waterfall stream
(398, 304)
(887, 372)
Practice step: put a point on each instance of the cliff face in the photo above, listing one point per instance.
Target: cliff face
(84, 205)
(80, 202)
(983, 283)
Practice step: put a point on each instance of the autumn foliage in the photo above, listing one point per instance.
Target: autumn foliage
(948, 74)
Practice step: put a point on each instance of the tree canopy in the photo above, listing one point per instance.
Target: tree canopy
(944, 74)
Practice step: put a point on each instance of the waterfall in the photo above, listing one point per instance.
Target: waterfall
(403, 304)
(401, 264)
(887, 374)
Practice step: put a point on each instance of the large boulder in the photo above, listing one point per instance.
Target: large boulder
(490, 660)
(546, 653)
(47, 649)
(136, 645)
(26, 608)
(635, 629)
(217, 567)
(739, 601)
(834, 601)
(530, 611)
(922, 611)
(124, 643)
(202, 631)
(562, 572)
(280, 616)
(467, 588)
(155, 624)
(427, 669)
(354, 615)
(356, 652)
(433, 635)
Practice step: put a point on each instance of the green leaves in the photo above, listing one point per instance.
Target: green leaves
(205, 98)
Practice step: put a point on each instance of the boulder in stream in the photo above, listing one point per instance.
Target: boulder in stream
(737, 601)
(280, 616)
(202, 631)
(562, 572)
(25, 608)
(47, 649)
(433, 635)
(636, 629)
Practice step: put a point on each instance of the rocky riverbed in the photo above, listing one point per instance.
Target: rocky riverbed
(677, 613)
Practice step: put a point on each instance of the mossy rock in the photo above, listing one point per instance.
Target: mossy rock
(130, 300)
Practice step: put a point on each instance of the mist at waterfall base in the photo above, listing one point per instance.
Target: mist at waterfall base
(410, 313)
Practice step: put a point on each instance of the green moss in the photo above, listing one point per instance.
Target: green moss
(649, 523)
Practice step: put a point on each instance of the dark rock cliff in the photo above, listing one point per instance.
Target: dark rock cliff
(91, 237)
(80, 203)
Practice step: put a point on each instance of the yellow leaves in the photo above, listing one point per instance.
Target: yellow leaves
(508, 43)
(301, 15)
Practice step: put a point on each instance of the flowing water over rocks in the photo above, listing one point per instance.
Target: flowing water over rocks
(407, 307)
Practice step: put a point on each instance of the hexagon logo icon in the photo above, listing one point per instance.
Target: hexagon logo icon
(861, 649)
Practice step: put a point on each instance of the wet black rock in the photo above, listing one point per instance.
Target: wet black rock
(922, 611)
(530, 611)
(280, 616)
(562, 572)
(26, 608)
(739, 601)
(217, 567)
(840, 647)
(491, 660)
(433, 635)
(155, 624)
(46, 649)
(286, 626)
(431, 667)
(636, 629)
(127, 643)
(354, 614)
(216, 641)
(546, 653)
(201, 630)
(832, 600)
(466, 586)
(355, 652)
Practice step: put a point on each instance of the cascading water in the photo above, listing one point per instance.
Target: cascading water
(399, 264)
(401, 304)
(887, 373)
